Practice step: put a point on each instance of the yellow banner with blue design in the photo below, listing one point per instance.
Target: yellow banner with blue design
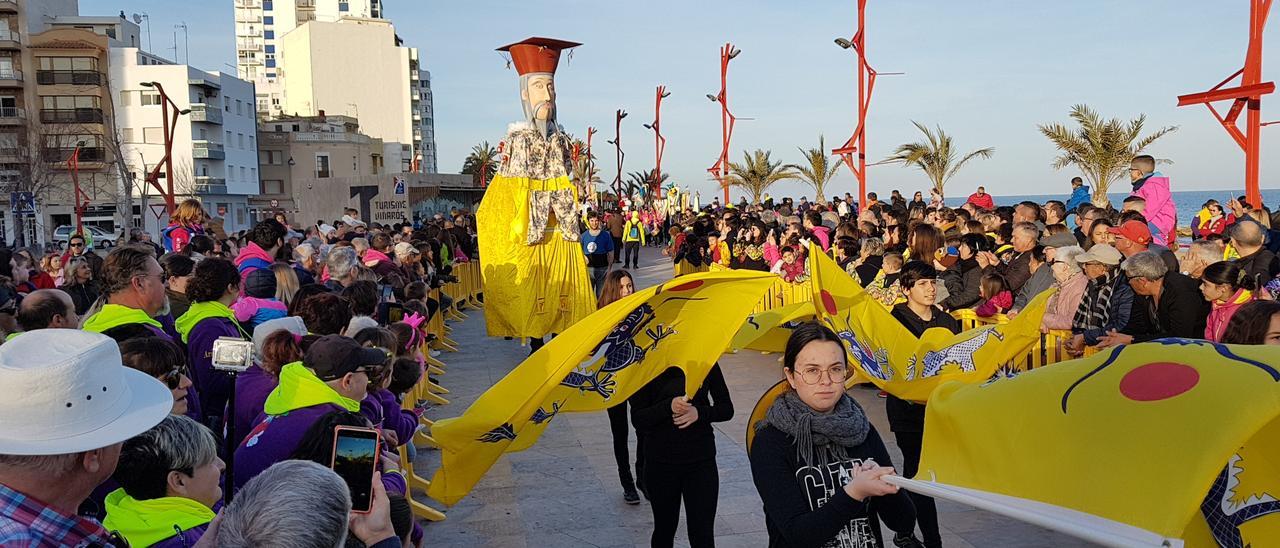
(910, 368)
(596, 364)
(1177, 437)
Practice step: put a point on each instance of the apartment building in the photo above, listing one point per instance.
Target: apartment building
(215, 151)
(301, 154)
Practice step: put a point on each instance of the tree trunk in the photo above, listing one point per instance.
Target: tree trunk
(19, 232)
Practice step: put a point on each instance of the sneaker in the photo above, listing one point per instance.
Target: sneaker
(906, 541)
(630, 496)
(882, 394)
(435, 353)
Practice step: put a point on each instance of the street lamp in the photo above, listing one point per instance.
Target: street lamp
(170, 113)
(721, 168)
(659, 142)
(857, 143)
(617, 145)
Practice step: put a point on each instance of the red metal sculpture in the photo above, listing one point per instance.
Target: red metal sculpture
(659, 144)
(721, 169)
(1248, 95)
(617, 146)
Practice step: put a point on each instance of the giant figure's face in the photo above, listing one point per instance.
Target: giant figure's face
(539, 96)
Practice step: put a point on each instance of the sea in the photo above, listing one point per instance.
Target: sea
(1188, 202)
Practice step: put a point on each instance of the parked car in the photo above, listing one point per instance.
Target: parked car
(101, 238)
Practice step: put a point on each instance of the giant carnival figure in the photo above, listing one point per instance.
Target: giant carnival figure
(535, 274)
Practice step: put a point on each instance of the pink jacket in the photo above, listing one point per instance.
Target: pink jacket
(1161, 212)
(1061, 308)
(1216, 324)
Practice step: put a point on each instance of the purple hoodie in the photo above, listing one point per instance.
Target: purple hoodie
(214, 386)
(185, 539)
(274, 439)
(382, 409)
(252, 388)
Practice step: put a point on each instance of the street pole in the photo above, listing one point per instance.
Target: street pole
(721, 168)
(659, 143)
(857, 143)
(82, 199)
(591, 164)
(617, 146)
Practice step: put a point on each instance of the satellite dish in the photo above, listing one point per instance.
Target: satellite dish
(137, 19)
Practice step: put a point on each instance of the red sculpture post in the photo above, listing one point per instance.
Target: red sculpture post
(857, 143)
(1248, 95)
(617, 146)
(721, 168)
(170, 113)
(659, 143)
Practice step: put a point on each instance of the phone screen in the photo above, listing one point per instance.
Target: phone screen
(355, 458)
(387, 295)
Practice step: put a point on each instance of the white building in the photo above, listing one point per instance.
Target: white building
(215, 150)
(326, 40)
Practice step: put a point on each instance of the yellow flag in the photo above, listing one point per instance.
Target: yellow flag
(908, 367)
(768, 331)
(1177, 437)
(595, 364)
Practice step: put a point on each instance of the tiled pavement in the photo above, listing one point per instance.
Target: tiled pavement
(564, 491)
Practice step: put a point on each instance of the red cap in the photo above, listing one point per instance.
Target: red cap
(537, 54)
(1134, 231)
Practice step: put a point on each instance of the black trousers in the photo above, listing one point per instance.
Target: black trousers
(698, 484)
(621, 430)
(926, 509)
(617, 248)
(632, 257)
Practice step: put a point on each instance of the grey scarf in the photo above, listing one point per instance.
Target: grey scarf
(821, 438)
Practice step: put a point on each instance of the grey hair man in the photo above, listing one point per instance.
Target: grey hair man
(1258, 262)
(1170, 302)
(342, 263)
(1200, 253)
(301, 504)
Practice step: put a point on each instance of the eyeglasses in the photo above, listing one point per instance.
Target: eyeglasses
(813, 375)
(173, 378)
(77, 244)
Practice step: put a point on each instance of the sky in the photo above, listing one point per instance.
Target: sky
(986, 71)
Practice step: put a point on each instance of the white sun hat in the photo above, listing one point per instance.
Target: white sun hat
(66, 391)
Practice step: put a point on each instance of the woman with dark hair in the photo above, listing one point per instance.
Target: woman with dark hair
(214, 286)
(163, 360)
(1227, 287)
(906, 419)
(619, 284)
(1099, 233)
(924, 242)
(963, 279)
(1255, 323)
(816, 435)
(381, 406)
(304, 291)
(749, 252)
(325, 313)
(679, 452)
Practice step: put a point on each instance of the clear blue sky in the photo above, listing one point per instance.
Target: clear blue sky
(986, 71)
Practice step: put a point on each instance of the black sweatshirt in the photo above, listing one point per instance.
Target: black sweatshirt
(807, 506)
(652, 417)
(905, 416)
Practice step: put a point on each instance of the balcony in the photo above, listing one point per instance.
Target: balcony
(210, 185)
(11, 116)
(201, 112)
(248, 16)
(329, 137)
(208, 150)
(71, 116)
(254, 32)
(59, 156)
(8, 6)
(254, 4)
(10, 39)
(249, 44)
(10, 78)
(72, 77)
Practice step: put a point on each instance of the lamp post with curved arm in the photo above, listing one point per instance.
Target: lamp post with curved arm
(721, 168)
(170, 112)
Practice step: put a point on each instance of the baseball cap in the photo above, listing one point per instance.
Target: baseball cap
(1134, 231)
(404, 249)
(333, 356)
(1100, 253)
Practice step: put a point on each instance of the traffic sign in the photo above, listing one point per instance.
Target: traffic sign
(22, 203)
(275, 203)
(399, 186)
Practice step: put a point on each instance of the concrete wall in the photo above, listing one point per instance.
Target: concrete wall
(376, 197)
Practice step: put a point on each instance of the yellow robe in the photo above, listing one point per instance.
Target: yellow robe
(530, 290)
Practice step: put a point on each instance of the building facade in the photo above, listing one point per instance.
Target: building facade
(215, 151)
(301, 154)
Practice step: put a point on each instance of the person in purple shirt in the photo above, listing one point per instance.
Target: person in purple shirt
(333, 376)
(276, 343)
(214, 285)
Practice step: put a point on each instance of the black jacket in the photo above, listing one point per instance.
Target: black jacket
(964, 284)
(807, 506)
(651, 415)
(1017, 271)
(1262, 266)
(905, 416)
(868, 269)
(82, 295)
(1181, 311)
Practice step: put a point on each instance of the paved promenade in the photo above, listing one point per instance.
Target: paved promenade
(564, 491)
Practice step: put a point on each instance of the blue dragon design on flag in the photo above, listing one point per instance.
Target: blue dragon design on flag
(1226, 510)
(875, 364)
(619, 351)
(506, 432)
(959, 354)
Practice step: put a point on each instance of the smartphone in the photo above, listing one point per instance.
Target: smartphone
(355, 458)
(387, 295)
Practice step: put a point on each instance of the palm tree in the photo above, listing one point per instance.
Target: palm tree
(757, 173)
(1100, 148)
(483, 161)
(935, 158)
(642, 181)
(819, 169)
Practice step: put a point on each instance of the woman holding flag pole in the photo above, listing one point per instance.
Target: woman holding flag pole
(618, 284)
(817, 460)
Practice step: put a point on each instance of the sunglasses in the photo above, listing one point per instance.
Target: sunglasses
(77, 245)
(173, 378)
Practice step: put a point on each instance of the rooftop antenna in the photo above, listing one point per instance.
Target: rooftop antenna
(137, 20)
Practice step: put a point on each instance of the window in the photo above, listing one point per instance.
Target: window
(239, 107)
(267, 5)
(153, 135)
(279, 128)
(295, 127)
(231, 173)
(252, 145)
(204, 134)
(268, 20)
(272, 186)
(344, 5)
(148, 98)
(228, 139)
(271, 157)
(69, 63)
(253, 174)
(69, 102)
(240, 139)
(322, 166)
(125, 99)
(128, 135)
(269, 34)
(270, 49)
(226, 104)
(242, 173)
